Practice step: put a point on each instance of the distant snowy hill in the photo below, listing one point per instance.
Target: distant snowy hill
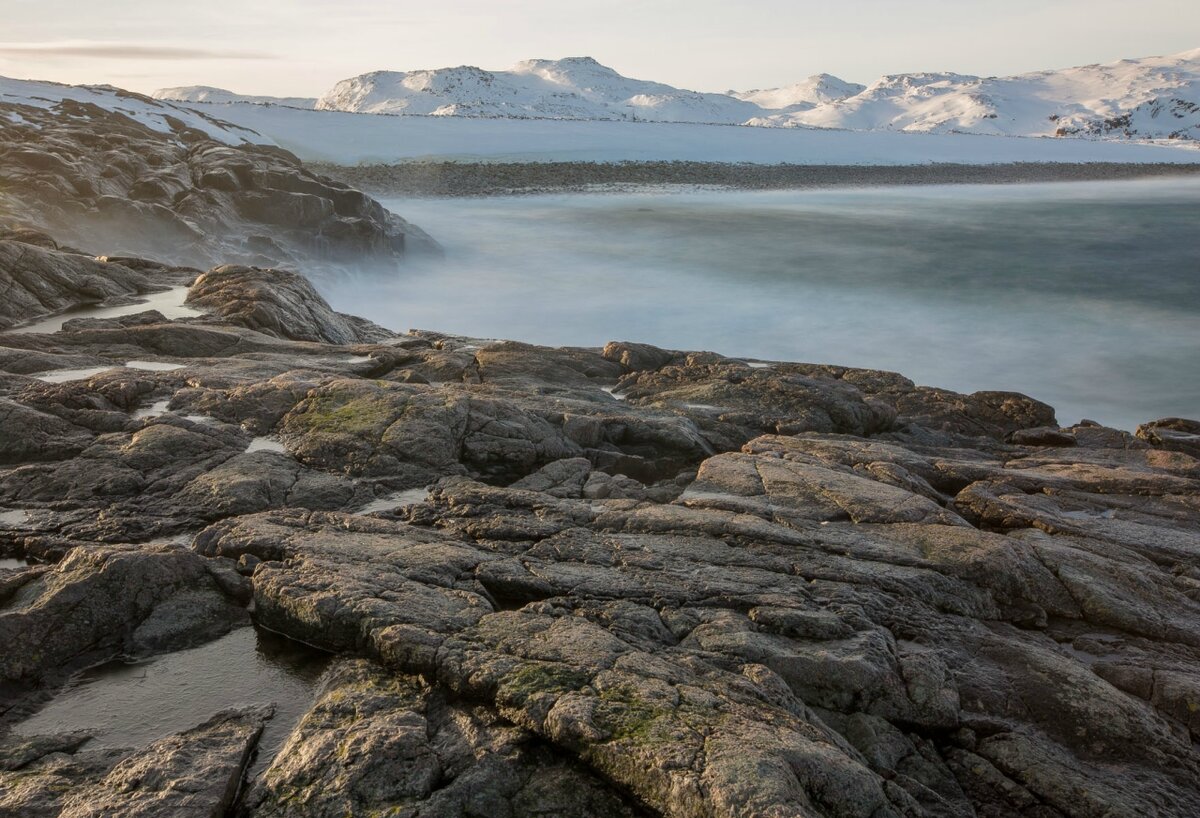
(159, 115)
(351, 138)
(1150, 98)
(206, 93)
(572, 88)
(803, 96)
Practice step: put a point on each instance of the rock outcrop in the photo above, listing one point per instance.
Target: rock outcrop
(375, 743)
(279, 303)
(35, 280)
(104, 602)
(586, 582)
(194, 774)
(96, 177)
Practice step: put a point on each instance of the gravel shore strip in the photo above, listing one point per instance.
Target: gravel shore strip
(441, 179)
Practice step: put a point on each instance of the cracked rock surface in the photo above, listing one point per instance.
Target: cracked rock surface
(590, 582)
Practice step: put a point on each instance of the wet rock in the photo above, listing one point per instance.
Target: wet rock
(37, 281)
(788, 590)
(102, 602)
(278, 303)
(37, 772)
(194, 773)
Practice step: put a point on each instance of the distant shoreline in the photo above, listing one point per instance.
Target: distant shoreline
(452, 179)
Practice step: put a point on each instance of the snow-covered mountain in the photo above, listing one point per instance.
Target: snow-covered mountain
(572, 88)
(78, 101)
(1150, 98)
(206, 93)
(803, 96)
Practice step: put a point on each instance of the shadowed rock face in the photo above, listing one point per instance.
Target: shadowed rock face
(101, 603)
(93, 177)
(632, 581)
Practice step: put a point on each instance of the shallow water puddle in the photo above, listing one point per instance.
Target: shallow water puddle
(131, 705)
(66, 375)
(612, 391)
(12, 563)
(153, 366)
(266, 444)
(13, 518)
(200, 418)
(168, 302)
(400, 498)
(152, 411)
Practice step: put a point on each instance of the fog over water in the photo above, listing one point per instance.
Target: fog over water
(1084, 295)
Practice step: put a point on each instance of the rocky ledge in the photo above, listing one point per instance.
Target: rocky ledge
(94, 177)
(584, 582)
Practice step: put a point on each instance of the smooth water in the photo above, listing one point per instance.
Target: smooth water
(169, 302)
(132, 705)
(1084, 295)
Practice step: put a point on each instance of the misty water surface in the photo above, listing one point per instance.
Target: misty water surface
(1085, 295)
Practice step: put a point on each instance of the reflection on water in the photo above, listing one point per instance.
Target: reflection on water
(131, 705)
(1084, 295)
(67, 375)
(168, 302)
(266, 444)
(395, 500)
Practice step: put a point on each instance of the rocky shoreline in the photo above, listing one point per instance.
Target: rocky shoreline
(594, 582)
(418, 179)
(621, 581)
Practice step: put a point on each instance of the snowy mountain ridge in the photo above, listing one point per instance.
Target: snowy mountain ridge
(802, 96)
(351, 138)
(206, 93)
(1149, 98)
(571, 88)
(92, 101)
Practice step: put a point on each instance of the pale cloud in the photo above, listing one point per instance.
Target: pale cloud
(121, 51)
(706, 45)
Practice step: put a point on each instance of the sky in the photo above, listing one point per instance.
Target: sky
(302, 47)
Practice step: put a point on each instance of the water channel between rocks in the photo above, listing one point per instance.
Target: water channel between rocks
(132, 705)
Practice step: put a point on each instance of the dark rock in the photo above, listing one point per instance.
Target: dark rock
(278, 303)
(99, 178)
(1045, 436)
(36, 281)
(792, 589)
(1172, 434)
(103, 602)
